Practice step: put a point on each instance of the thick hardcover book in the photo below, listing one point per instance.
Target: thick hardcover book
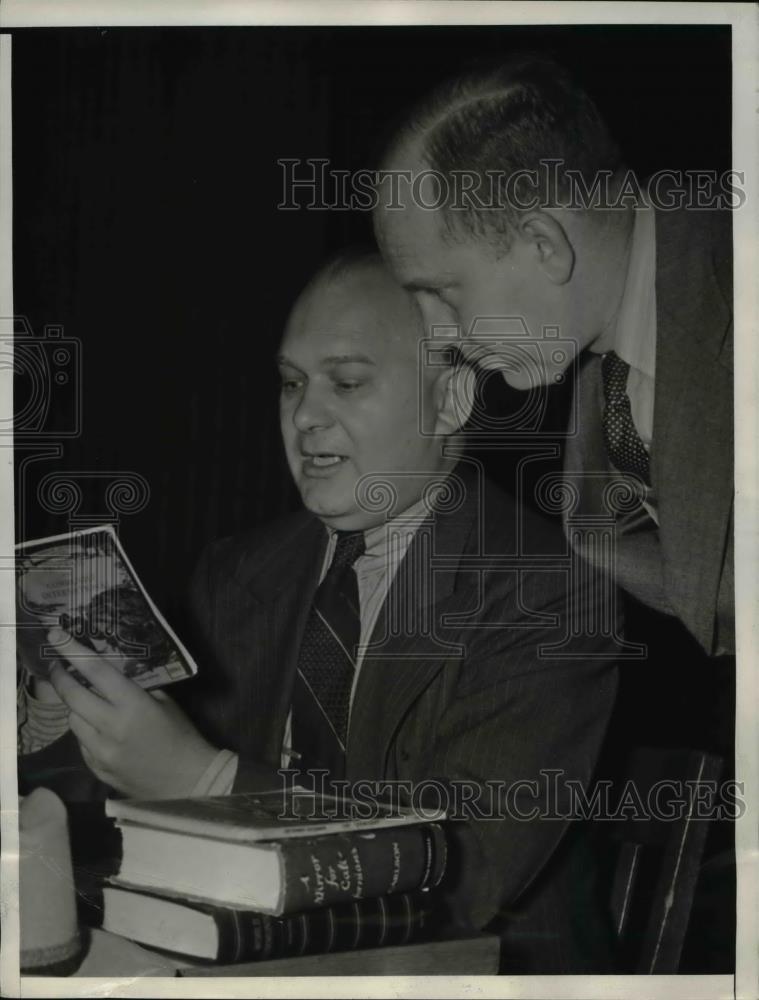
(279, 813)
(84, 584)
(219, 934)
(471, 956)
(283, 876)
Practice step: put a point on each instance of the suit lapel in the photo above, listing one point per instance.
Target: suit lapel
(407, 649)
(279, 587)
(692, 450)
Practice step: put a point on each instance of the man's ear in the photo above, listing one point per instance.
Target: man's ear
(454, 394)
(549, 244)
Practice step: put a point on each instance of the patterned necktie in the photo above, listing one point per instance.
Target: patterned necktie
(623, 444)
(327, 663)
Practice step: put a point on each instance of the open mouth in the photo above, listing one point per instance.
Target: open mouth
(323, 460)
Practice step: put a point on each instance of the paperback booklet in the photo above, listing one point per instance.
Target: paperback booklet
(261, 852)
(226, 936)
(84, 583)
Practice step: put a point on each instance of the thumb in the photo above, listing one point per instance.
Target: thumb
(160, 696)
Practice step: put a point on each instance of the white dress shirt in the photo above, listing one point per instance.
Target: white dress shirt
(633, 337)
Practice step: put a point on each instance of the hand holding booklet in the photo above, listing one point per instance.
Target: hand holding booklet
(84, 584)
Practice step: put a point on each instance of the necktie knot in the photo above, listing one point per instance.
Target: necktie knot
(350, 546)
(623, 443)
(614, 373)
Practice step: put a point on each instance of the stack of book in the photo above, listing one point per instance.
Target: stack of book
(242, 878)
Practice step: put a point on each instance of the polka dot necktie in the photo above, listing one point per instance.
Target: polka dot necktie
(327, 663)
(623, 444)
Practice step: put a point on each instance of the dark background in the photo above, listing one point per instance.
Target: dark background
(145, 224)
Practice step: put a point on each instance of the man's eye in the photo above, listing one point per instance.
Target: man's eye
(445, 295)
(290, 385)
(348, 385)
(435, 299)
(436, 291)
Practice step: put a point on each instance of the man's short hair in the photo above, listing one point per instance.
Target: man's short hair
(348, 260)
(501, 122)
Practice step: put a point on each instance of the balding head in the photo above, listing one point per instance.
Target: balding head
(502, 122)
(512, 252)
(355, 291)
(355, 400)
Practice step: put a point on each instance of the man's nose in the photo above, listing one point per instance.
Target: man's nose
(435, 313)
(311, 411)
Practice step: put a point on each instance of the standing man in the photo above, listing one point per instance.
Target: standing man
(487, 223)
(504, 197)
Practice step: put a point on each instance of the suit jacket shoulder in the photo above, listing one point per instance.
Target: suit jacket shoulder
(249, 555)
(694, 278)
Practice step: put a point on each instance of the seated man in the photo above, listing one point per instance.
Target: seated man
(410, 624)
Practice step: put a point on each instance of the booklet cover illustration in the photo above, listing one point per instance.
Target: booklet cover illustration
(83, 583)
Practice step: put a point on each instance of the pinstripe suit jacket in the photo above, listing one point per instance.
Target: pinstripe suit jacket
(474, 696)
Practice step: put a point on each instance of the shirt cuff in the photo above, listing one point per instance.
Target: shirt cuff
(219, 777)
(41, 722)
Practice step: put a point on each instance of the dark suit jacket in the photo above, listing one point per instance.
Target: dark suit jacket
(686, 568)
(498, 708)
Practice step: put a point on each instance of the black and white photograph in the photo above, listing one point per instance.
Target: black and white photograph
(379, 416)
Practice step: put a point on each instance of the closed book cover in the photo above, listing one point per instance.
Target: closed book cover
(218, 934)
(287, 876)
(274, 814)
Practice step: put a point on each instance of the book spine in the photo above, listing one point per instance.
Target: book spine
(246, 936)
(350, 867)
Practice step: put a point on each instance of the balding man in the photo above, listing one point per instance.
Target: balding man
(507, 210)
(516, 204)
(399, 629)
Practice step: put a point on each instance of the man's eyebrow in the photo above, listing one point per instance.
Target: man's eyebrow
(282, 360)
(422, 284)
(341, 359)
(332, 359)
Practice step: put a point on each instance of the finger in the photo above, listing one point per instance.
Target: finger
(96, 667)
(88, 736)
(44, 691)
(86, 704)
(95, 766)
(97, 753)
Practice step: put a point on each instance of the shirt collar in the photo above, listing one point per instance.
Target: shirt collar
(634, 334)
(403, 526)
